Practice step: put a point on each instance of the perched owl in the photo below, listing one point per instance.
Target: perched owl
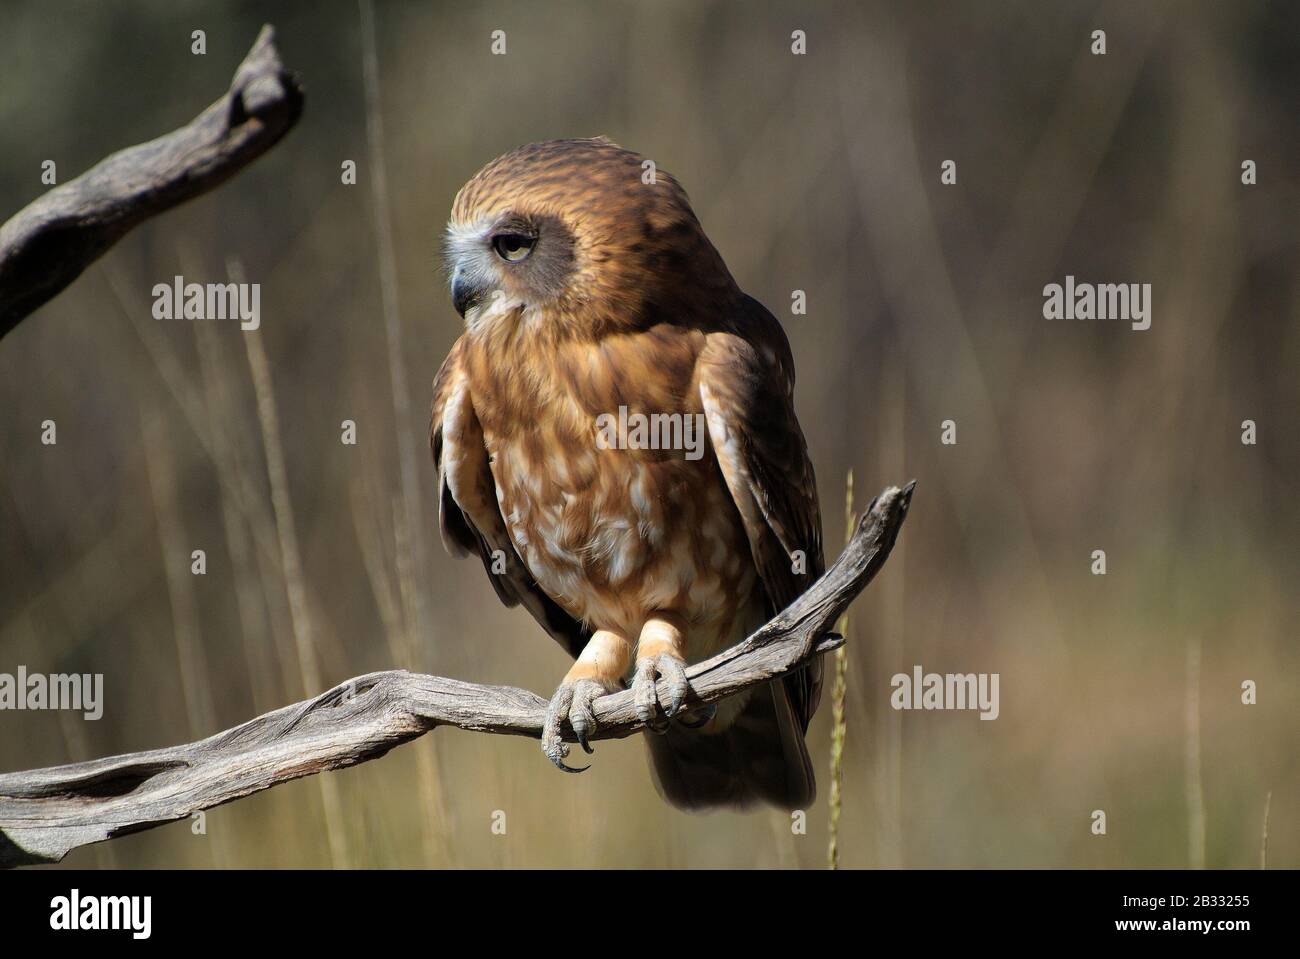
(615, 438)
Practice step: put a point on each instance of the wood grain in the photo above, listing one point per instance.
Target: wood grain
(47, 244)
(46, 813)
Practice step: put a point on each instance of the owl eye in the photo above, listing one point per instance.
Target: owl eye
(513, 247)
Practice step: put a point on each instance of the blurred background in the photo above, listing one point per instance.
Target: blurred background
(818, 172)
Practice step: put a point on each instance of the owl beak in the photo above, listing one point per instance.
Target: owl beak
(464, 294)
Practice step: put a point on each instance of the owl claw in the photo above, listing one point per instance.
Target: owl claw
(571, 703)
(645, 692)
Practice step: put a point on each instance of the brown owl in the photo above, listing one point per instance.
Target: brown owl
(615, 438)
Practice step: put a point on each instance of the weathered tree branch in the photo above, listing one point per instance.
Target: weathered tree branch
(47, 244)
(46, 813)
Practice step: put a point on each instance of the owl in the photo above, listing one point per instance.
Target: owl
(615, 438)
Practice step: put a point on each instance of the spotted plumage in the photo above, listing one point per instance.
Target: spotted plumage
(587, 290)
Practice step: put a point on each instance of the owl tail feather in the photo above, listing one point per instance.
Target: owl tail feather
(760, 757)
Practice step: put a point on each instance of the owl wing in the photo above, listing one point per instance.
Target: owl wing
(746, 382)
(469, 516)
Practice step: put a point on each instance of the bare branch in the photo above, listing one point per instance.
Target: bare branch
(47, 244)
(46, 813)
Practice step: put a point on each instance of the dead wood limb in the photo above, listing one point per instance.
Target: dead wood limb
(46, 813)
(47, 244)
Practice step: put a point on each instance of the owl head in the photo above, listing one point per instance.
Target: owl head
(581, 236)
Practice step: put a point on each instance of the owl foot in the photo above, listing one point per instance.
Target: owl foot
(571, 703)
(645, 692)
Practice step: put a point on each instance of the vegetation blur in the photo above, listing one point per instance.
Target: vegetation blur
(818, 172)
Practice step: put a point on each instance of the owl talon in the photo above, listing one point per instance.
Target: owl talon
(571, 703)
(645, 692)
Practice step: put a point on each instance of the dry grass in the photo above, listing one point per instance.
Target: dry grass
(817, 173)
(839, 692)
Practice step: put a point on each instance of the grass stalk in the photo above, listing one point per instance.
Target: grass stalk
(291, 565)
(839, 691)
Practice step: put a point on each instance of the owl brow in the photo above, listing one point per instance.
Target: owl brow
(515, 223)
